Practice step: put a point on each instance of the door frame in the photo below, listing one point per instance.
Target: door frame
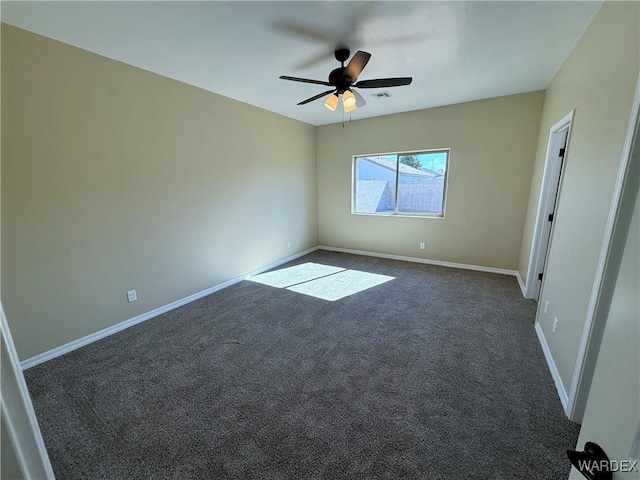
(620, 211)
(549, 193)
(18, 414)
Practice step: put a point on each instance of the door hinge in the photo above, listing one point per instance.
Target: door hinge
(561, 154)
(550, 218)
(540, 276)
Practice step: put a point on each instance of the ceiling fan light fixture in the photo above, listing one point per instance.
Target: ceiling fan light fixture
(332, 102)
(348, 100)
(350, 109)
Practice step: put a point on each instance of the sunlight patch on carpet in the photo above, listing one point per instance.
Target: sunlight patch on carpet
(340, 285)
(287, 277)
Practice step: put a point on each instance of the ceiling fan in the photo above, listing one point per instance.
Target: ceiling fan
(344, 79)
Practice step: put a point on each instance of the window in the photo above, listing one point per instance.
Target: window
(408, 183)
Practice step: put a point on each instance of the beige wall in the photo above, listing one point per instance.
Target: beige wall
(598, 80)
(492, 146)
(114, 178)
(613, 408)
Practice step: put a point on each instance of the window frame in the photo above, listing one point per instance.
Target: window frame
(395, 213)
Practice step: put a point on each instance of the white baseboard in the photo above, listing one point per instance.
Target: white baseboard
(463, 266)
(81, 342)
(523, 288)
(279, 262)
(562, 392)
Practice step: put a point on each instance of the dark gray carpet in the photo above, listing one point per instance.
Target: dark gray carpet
(437, 374)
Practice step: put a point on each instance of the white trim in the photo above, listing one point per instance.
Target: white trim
(19, 416)
(562, 393)
(549, 179)
(598, 306)
(86, 340)
(463, 266)
(523, 289)
(280, 262)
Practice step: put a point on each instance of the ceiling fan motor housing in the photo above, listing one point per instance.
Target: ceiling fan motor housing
(336, 78)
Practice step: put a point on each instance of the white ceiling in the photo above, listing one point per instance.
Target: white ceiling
(455, 51)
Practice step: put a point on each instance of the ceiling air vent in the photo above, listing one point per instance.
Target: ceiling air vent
(381, 95)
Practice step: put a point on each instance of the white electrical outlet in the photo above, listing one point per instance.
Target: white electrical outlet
(421, 245)
(555, 324)
(288, 244)
(132, 296)
(546, 307)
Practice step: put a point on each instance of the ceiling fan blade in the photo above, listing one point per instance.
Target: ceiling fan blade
(316, 97)
(305, 80)
(356, 65)
(384, 82)
(360, 102)
(305, 31)
(315, 60)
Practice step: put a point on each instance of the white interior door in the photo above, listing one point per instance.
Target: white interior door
(555, 160)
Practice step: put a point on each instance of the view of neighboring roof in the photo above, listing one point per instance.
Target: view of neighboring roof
(404, 169)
